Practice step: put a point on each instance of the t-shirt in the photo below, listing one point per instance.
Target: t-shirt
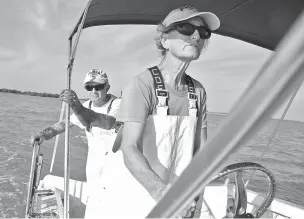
(139, 100)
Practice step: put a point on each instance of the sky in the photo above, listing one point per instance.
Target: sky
(34, 55)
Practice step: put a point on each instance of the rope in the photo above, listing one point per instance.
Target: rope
(57, 137)
(275, 130)
(72, 53)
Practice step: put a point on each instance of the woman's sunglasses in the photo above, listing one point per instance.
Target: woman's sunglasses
(188, 29)
(97, 87)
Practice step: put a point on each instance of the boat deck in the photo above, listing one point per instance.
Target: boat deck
(47, 204)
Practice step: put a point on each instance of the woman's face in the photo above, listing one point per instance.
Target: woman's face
(183, 47)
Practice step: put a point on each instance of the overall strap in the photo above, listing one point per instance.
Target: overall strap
(89, 127)
(110, 105)
(160, 90)
(192, 97)
(90, 104)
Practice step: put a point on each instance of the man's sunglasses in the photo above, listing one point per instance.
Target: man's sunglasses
(188, 29)
(97, 87)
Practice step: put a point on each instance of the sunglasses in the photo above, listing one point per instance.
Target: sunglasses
(97, 87)
(188, 29)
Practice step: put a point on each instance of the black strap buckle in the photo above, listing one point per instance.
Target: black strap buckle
(161, 93)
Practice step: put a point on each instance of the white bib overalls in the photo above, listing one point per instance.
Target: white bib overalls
(167, 140)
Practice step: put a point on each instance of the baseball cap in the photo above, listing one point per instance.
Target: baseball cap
(187, 12)
(96, 75)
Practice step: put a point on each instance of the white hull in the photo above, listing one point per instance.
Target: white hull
(214, 195)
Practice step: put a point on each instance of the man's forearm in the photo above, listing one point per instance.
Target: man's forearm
(141, 170)
(88, 117)
(52, 131)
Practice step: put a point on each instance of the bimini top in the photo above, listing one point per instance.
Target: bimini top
(260, 22)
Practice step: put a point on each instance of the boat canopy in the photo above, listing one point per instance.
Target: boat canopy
(259, 22)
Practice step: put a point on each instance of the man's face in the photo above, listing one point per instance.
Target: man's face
(183, 47)
(96, 91)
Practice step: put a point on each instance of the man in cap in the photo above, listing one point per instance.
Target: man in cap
(100, 139)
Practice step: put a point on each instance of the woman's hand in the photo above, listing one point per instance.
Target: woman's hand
(186, 212)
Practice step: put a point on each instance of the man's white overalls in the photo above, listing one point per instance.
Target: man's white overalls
(100, 143)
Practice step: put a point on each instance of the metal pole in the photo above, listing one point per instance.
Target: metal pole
(67, 119)
(276, 81)
(67, 155)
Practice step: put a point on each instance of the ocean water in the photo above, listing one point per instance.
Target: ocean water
(21, 116)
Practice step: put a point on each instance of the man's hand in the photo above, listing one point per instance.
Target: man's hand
(37, 138)
(70, 97)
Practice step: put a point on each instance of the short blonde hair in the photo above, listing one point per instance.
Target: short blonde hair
(160, 30)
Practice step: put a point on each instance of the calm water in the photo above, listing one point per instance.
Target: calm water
(22, 116)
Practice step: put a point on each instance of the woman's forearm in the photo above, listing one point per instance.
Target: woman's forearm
(142, 171)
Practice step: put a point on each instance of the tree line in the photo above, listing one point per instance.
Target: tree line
(4, 90)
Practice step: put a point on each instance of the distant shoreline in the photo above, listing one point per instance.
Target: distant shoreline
(30, 93)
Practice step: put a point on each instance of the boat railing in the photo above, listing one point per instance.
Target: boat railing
(34, 177)
(41, 202)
